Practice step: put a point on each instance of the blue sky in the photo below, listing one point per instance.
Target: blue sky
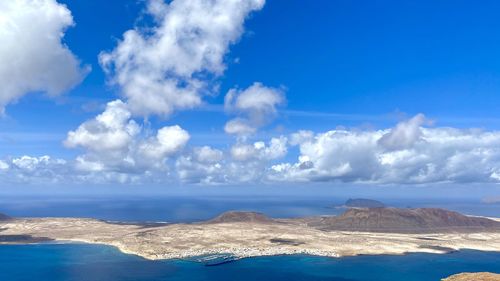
(363, 69)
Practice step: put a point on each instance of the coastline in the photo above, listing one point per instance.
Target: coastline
(244, 239)
(195, 256)
(242, 253)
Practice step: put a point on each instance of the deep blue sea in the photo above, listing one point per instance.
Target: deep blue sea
(78, 262)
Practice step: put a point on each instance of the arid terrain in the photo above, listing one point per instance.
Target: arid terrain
(247, 234)
(480, 276)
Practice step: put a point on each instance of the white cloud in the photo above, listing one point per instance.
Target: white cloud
(301, 137)
(159, 70)
(434, 155)
(334, 154)
(276, 148)
(168, 141)
(243, 163)
(110, 130)
(32, 56)
(4, 166)
(115, 142)
(203, 165)
(249, 163)
(206, 154)
(404, 135)
(243, 152)
(30, 163)
(30, 169)
(256, 100)
(406, 154)
(83, 164)
(239, 126)
(257, 106)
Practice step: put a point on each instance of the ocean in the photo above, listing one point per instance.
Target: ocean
(80, 262)
(190, 208)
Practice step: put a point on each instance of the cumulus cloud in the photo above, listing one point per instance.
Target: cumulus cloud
(404, 135)
(32, 55)
(114, 142)
(32, 169)
(276, 148)
(206, 154)
(166, 67)
(429, 155)
(160, 69)
(110, 130)
(338, 154)
(406, 154)
(204, 165)
(256, 106)
(168, 141)
(249, 163)
(30, 163)
(3, 165)
(241, 164)
(239, 126)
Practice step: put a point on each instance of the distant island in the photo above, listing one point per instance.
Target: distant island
(363, 203)
(479, 276)
(238, 234)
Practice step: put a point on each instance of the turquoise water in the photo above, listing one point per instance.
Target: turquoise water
(77, 262)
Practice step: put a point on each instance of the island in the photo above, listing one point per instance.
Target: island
(369, 231)
(363, 203)
(479, 276)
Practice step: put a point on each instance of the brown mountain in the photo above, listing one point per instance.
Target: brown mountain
(420, 220)
(238, 216)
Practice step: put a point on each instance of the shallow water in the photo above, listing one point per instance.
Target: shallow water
(80, 262)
